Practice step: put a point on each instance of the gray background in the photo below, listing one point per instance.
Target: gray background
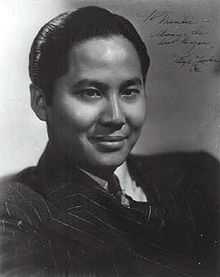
(183, 84)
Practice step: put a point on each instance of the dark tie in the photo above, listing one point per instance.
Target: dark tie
(142, 209)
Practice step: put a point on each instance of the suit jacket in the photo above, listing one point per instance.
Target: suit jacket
(56, 221)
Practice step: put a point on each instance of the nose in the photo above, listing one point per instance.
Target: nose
(113, 115)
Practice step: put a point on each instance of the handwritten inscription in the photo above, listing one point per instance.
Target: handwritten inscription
(186, 34)
(191, 40)
(165, 17)
(195, 62)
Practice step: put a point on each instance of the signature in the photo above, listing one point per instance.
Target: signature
(195, 62)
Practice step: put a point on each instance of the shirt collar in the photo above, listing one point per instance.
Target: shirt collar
(121, 172)
(128, 185)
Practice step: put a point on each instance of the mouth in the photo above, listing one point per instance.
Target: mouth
(109, 142)
(110, 138)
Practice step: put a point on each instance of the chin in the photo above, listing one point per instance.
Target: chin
(111, 160)
(102, 158)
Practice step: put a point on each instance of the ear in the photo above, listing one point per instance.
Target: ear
(38, 102)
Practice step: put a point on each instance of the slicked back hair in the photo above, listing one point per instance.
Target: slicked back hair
(50, 48)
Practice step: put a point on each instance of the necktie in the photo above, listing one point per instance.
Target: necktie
(115, 189)
(142, 209)
(151, 214)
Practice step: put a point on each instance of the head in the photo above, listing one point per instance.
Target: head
(88, 71)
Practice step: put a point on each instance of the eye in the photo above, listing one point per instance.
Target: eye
(90, 94)
(130, 93)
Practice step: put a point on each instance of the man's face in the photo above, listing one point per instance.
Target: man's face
(98, 106)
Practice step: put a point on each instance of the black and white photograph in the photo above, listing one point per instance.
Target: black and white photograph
(110, 138)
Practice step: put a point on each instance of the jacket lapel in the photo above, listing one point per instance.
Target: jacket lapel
(80, 207)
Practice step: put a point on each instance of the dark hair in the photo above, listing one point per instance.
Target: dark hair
(48, 55)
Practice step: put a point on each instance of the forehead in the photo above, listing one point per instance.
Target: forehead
(104, 52)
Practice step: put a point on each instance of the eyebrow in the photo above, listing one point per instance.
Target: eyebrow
(90, 82)
(102, 86)
(131, 82)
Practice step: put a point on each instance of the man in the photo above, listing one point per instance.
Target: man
(70, 215)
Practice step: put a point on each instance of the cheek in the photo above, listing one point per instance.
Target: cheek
(137, 114)
(73, 115)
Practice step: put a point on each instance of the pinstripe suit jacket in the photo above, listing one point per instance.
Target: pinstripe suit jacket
(59, 222)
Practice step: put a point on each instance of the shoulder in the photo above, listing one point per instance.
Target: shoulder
(193, 168)
(21, 208)
(192, 177)
(23, 212)
(18, 201)
(187, 185)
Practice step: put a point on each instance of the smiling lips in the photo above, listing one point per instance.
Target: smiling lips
(110, 138)
(110, 142)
